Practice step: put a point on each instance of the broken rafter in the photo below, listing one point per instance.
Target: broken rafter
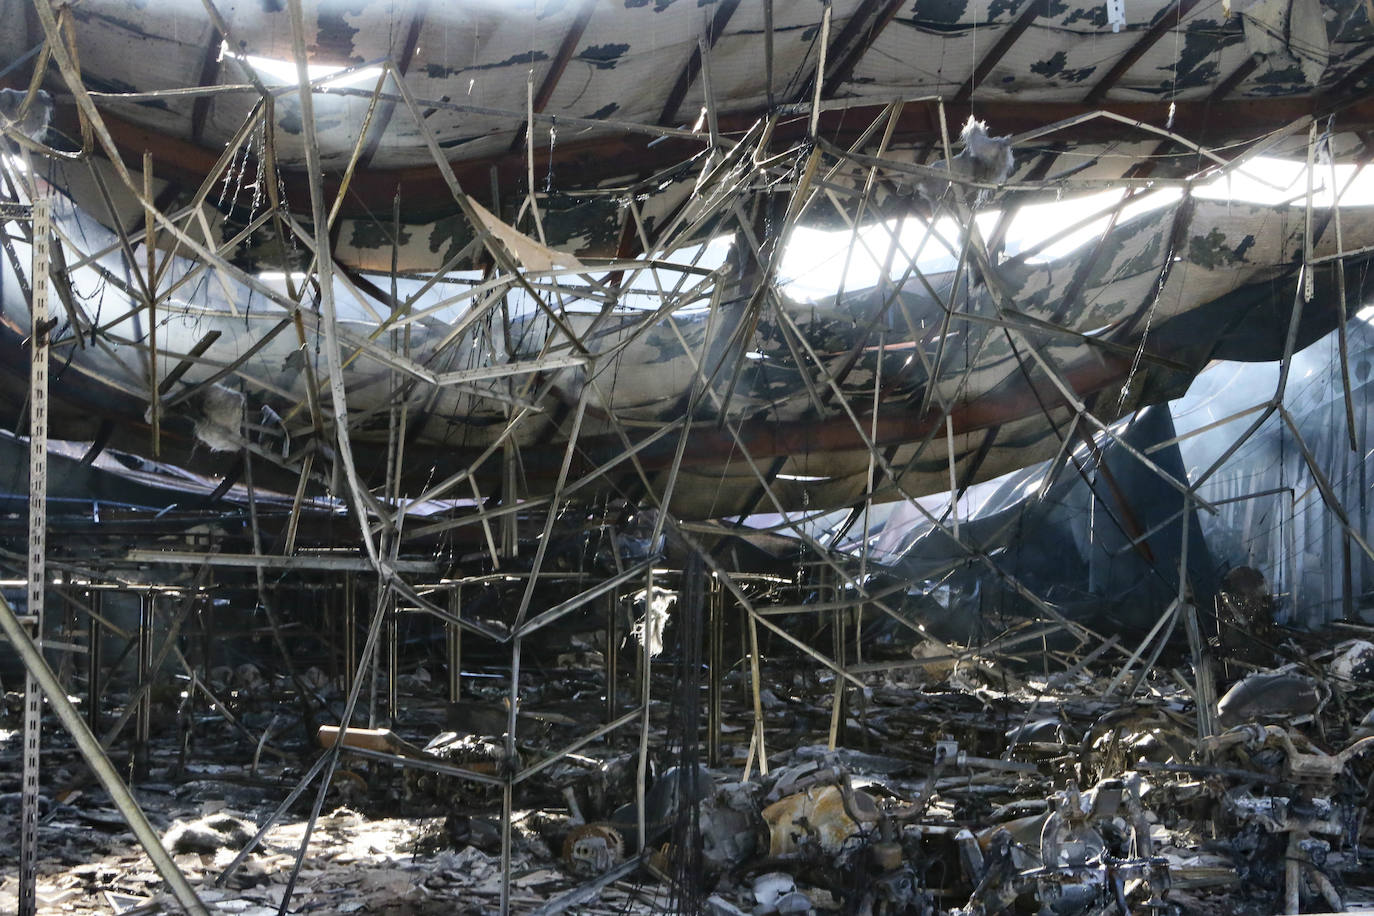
(743, 451)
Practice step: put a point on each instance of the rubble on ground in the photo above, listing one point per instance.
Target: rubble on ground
(945, 793)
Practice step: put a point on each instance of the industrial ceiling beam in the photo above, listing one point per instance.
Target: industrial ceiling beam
(999, 50)
(387, 108)
(559, 65)
(689, 74)
(1236, 77)
(209, 75)
(854, 40)
(1168, 19)
(1352, 80)
(564, 55)
(616, 156)
(1224, 88)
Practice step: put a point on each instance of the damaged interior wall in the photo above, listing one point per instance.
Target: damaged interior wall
(849, 456)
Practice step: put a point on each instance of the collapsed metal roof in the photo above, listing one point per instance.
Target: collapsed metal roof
(513, 277)
(568, 123)
(614, 92)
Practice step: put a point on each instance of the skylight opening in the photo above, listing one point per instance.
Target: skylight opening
(278, 276)
(284, 71)
(815, 258)
(1272, 181)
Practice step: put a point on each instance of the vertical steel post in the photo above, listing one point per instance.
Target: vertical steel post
(143, 728)
(38, 518)
(94, 650)
(393, 659)
(207, 635)
(612, 602)
(66, 673)
(350, 631)
(715, 668)
(94, 755)
(639, 656)
(837, 709)
(455, 646)
(383, 611)
(1205, 679)
(510, 522)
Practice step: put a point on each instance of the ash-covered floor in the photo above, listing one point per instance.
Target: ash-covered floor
(984, 786)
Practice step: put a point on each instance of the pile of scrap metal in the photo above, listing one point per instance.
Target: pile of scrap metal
(1102, 805)
(1292, 802)
(848, 832)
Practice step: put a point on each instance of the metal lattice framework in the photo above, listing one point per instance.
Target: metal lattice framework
(518, 385)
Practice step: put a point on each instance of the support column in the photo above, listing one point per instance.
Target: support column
(37, 556)
(350, 631)
(100, 765)
(1202, 668)
(838, 713)
(610, 603)
(715, 667)
(454, 634)
(95, 643)
(393, 660)
(66, 672)
(510, 522)
(382, 611)
(207, 635)
(147, 607)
